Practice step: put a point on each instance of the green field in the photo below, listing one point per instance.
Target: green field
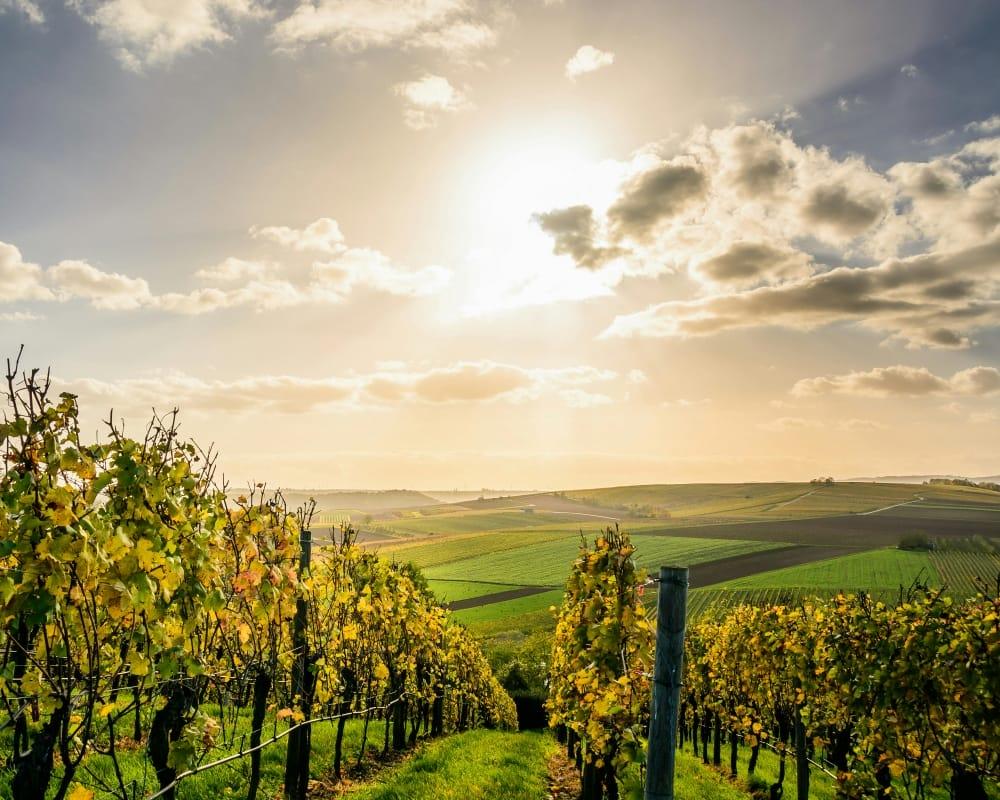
(548, 563)
(878, 569)
(445, 551)
(449, 591)
(507, 610)
(474, 522)
(881, 573)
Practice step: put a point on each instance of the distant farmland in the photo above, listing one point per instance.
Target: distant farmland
(502, 561)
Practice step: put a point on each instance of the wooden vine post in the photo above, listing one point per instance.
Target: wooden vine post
(671, 613)
(299, 740)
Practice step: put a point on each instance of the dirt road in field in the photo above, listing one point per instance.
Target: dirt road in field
(728, 569)
(497, 597)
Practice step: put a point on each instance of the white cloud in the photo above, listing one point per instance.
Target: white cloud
(153, 32)
(902, 381)
(452, 26)
(637, 376)
(909, 70)
(427, 98)
(373, 270)
(461, 382)
(239, 283)
(323, 236)
(237, 269)
(588, 59)
(989, 125)
(20, 280)
(28, 8)
(107, 290)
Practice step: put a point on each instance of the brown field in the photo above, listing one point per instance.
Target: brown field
(727, 569)
(852, 530)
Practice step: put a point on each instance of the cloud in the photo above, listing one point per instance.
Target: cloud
(574, 231)
(682, 203)
(843, 209)
(323, 236)
(655, 195)
(28, 8)
(20, 280)
(427, 99)
(237, 269)
(902, 381)
(373, 270)
(588, 59)
(107, 290)
(637, 376)
(747, 263)
(926, 300)
(909, 70)
(151, 32)
(976, 381)
(461, 382)
(455, 27)
(238, 283)
(989, 125)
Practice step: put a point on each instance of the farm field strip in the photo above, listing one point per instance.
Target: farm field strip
(730, 569)
(510, 610)
(959, 571)
(497, 597)
(448, 591)
(448, 550)
(876, 569)
(473, 522)
(547, 563)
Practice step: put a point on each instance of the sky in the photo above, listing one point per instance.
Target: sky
(459, 244)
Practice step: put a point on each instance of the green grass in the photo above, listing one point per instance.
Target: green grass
(548, 563)
(445, 551)
(450, 591)
(694, 499)
(229, 780)
(509, 609)
(480, 764)
(473, 522)
(963, 573)
(877, 569)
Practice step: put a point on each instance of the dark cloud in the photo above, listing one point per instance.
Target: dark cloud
(657, 194)
(573, 231)
(752, 262)
(836, 207)
(759, 166)
(889, 297)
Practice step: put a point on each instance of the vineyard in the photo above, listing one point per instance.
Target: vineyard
(158, 629)
(895, 698)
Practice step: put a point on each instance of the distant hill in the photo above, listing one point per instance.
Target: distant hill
(924, 478)
(378, 500)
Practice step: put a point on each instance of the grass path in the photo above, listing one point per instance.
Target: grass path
(480, 764)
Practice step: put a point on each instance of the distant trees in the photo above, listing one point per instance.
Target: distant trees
(821, 481)
(993, 487)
